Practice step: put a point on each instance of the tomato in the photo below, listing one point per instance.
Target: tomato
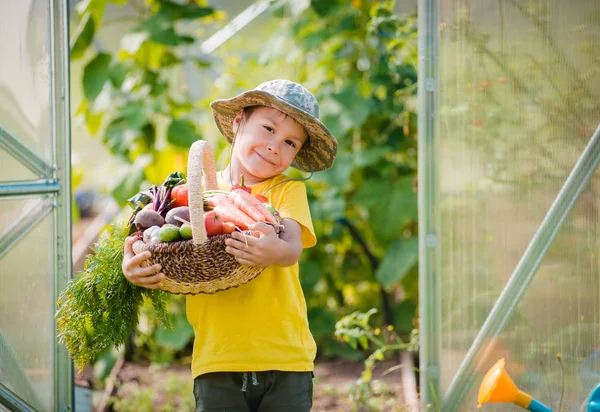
(261, 198)
(213, 223)
(180, 195)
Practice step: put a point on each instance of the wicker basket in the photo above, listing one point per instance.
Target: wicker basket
(199, 265)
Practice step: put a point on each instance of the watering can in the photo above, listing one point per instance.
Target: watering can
(497, 386)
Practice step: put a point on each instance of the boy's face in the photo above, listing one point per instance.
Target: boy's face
(266, 144)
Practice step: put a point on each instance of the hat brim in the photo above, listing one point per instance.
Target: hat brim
(316, 155)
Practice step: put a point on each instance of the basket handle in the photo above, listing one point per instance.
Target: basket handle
(200, 159)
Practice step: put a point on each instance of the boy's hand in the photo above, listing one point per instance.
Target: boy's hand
(259, 252)
(146, 277)
(269, 249)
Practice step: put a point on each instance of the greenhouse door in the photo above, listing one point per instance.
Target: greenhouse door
(509, 211)
(35, 224)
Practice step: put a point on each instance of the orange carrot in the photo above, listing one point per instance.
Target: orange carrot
(251, 205)
(261, 198)
(230, 212)
(218, 200)
(228, 227)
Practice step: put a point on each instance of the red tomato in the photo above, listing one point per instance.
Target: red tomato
(261, 198)
(180, 195)
(213, 223)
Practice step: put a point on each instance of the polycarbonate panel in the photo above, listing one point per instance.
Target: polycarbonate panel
(26, 309)
(25, 73)
(519, 101)
(13, 170)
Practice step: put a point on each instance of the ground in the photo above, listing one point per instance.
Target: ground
(139, 386)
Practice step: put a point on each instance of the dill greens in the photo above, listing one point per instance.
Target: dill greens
(99, 308)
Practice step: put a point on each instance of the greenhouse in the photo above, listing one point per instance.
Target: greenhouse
(456, 264)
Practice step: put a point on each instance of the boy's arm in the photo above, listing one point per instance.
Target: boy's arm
(269, 249)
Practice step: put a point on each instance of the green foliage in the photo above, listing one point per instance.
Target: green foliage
(175, 394)
(170, 393)
(355, 330)
(133, 96)
(163, 345)
(359, 59)
(360, 62)
(137, 399)
(99, 308)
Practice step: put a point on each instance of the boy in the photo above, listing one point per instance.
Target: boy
(253, 350)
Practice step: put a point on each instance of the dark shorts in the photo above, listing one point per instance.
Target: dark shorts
(270, 391)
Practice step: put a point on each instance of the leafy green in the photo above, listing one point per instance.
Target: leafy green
(95, 75)
(99, 308)
(174, 179)
(83, 36)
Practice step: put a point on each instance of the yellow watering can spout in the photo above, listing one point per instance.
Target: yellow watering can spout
(497, 386)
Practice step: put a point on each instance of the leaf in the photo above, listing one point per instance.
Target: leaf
(322, 322)
(397, 207)
(162, 31)
(177, 337)
(84, 34)
(370, 156)
(310, 274)
(93, 121)
(95, 75)
(152, 79)
(182, 132)
(364, 341)
(168, 59)
(131, 42)
(95, 7)
(403, 314)
(122, 130)
(371, 193)
(330, 207)
(338, 176)
(131, 180)
(190, 10)
(399, 258)
(356, 108)
(118, 73)
(323, 7)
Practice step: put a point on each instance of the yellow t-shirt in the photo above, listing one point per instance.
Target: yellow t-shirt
(261, 325)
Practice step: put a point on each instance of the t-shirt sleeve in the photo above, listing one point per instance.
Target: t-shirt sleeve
(292, 203)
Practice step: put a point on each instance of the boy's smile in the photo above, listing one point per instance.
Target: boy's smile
(266, 143)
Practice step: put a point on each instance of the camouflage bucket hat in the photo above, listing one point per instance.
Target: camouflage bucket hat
(294, 100)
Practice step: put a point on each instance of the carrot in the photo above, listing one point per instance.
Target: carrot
(251, 205)
(229, 212)
(218, 200)
(228, 227)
